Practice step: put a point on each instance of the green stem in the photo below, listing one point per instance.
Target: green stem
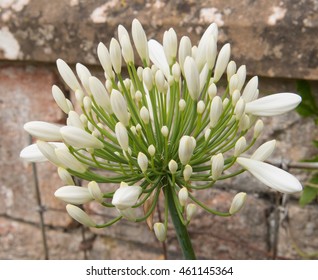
(181, 230)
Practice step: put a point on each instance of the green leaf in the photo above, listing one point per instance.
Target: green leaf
(308, 195)
(308, 106)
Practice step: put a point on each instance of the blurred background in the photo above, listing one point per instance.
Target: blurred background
(277, 41)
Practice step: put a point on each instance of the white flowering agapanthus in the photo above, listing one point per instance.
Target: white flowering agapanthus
(168, 127)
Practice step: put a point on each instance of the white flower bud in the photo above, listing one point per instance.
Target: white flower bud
(192, 77)
(200, 107)
(264, 151)
(140, 40)
(69, 161)
(122, 136)
(105, 61)
(43, 130)
(87, 102)
(119, 107)
(244, 122)
(258, 128)
(67, 75)
(187, 172)
(207, 134)
(241, 74)
(127, 49)
(115, 55)
(273, 105)
(151, 150)
(60, 99)
(69, 104)
(83, 74)
(160, 231)
(79, 96)
(147, 78)
(176, 71)
(65, 176)
(109, 85)
(230, 70)
(79, 215)
(173, 166)
(233, 84)
(95, 191)
(84, 120)
(144, 114)
(237, 203)
(142, 162)
(79, 138)
(216, 110)
(100, 94)
(32, 153)
(138, 96)
(190, 211)
(186, 148)
(182, 105)
(170, 45)
(211, 51)
(225, 102)
(250, 92)
(240, 146)
(222, 62)
(271, 176)
(74, 195)
(165, 131)
(160, 80)
(217, 166)
(138, 128)
(184, 50)
(48, 151)
(183, 196)
(235, 97)
(126, 196)
(133, 130)
(239, 108)
(212, 90)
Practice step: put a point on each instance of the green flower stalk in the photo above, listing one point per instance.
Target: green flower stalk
(166, 130)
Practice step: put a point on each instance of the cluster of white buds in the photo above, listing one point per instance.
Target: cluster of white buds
(162, 129)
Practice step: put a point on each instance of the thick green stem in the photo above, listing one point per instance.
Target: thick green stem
(181, 230)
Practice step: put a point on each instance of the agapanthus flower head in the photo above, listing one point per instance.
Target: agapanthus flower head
(166, 130)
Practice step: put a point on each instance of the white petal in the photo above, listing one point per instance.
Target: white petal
(79, 215)
(264, 151)
(126, 197)
(271, 176)
(73, 194)
(273, 105)
(32, 154)
(79, 138)
(43, 130)
(158, 57)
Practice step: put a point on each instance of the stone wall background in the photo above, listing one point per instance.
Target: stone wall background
(277, 42)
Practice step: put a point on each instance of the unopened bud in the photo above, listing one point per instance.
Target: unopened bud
(142, 161)
(151, 150)
(183, 196)
(160, 231)
(240, 146)
(187, 172)
(173, 166)
(79, 215)
(217, 166)
(237, 203)
(190, 211)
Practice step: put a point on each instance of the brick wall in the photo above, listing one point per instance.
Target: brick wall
(277, 45)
